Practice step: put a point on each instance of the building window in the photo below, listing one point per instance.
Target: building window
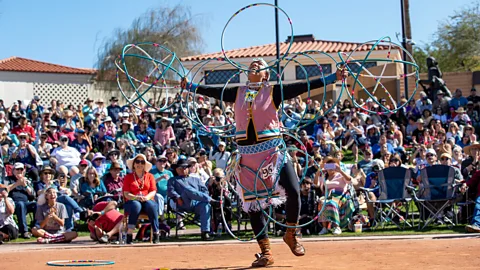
(273, 74)
(355, 67)
(312, 71)
(222, 76)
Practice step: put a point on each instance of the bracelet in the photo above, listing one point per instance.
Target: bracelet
(102, 213)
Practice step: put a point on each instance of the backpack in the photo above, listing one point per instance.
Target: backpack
(143, 234)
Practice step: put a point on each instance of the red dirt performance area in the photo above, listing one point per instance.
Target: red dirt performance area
(378, 254)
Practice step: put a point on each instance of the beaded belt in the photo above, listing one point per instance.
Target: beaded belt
(260, 147)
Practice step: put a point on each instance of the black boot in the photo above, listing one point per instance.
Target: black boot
(129, 239)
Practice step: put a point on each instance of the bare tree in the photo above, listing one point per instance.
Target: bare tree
(173, 27)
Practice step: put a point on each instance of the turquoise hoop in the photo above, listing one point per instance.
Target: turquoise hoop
(79, 263)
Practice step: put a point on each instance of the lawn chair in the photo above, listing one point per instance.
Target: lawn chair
(392, 185)
(436, 192)
(187, 218)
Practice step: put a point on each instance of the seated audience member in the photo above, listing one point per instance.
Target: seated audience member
(197, 171)
(65, 155)
(8, 227)
(190, 195)
(113, 181)
(98, 162)
(307, 204)
(161, 175)
(139, 189)
(50, 220)
(206, 164)
(366, 164)
(75, 180)
(22, 193)
(92, 188)
(216, 184)
(27, 154)
(105, 222)
(371, 182)
(339, 206)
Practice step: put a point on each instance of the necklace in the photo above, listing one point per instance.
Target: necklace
(142, 182)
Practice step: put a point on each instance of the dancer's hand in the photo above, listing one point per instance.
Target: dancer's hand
(342, 73)
(183, 83)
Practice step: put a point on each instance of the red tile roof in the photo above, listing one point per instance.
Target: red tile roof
(297, 46)
(19, 64)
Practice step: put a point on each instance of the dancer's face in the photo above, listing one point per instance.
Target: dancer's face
(255, 75)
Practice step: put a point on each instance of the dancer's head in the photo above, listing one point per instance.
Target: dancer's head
(256, 73)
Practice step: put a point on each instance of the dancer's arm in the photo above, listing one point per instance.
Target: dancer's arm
(229, 94)
(295, 89)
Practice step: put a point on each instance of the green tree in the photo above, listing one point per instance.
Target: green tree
(173, 27)
(457, 41)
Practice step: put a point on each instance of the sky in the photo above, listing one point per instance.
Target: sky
(70, 32)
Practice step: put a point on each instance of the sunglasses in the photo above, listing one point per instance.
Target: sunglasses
(19, 169)
(64, 140)
(318, 160)
(61, 175)
(162, 160)
(23, 138)
(430, 155)
(444, 158)
(140, 161)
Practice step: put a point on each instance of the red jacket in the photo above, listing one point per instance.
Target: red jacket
(27, 129)
(474, 182)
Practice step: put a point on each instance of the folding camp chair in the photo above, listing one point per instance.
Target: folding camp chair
(186, 218)
(392, 187)
(436, 192)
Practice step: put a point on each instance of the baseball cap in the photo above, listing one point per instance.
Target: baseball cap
(316, 144)
(83, 162)
(192, 160)
(431, 151)
(161, 157)
(18, 165)
(222, 143)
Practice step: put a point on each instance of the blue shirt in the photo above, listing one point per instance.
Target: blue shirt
(79, 146)
(162, 183)
(458, 102)
(376, 148)
(86, 188)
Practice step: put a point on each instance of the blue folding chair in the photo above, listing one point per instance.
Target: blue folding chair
(436, 192)
(392, 187)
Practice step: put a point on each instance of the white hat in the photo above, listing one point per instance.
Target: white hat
(148, 165)
(18, 165)
(222, 143)
(431, 151)
(107, 119)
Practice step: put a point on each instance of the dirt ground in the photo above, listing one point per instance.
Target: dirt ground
(379, 254)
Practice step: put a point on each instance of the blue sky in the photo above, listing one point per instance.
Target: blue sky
(70, 32)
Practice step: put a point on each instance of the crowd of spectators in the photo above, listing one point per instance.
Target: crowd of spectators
(68, 162)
